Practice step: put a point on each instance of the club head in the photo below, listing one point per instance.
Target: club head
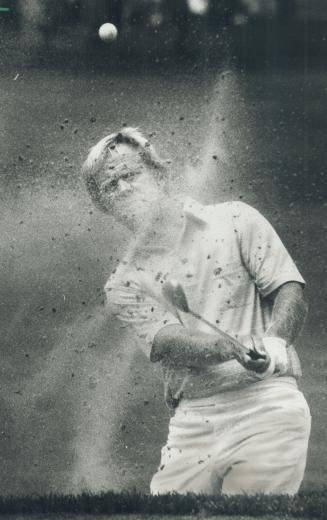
(174, 294)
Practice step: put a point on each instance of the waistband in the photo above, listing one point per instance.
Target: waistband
(273, 383)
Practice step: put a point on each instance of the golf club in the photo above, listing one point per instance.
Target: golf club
(174, 293)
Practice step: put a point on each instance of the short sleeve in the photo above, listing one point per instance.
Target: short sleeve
(134, 303)
(263, 252)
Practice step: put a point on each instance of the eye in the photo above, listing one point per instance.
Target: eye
(128, 175)
(111, 185)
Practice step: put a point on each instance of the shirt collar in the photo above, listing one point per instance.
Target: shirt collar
(194, 210)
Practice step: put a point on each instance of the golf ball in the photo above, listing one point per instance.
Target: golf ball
(108, 32)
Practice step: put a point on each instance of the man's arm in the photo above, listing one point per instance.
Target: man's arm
(189, 347)
(289, 312)
(185, 347)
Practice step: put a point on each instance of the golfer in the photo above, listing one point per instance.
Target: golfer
(239, 424)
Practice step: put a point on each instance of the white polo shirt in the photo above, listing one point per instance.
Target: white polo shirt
(228, 259)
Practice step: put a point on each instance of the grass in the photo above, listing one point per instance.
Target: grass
(309, 504)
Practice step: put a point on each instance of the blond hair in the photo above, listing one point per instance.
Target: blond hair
(104, 163)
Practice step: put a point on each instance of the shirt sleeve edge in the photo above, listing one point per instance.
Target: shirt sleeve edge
(283, 278)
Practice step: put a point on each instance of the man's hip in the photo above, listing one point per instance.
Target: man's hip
(237, 441)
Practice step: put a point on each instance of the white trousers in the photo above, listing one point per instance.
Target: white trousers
(250, 441)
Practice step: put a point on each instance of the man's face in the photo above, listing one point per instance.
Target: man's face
(129, 191)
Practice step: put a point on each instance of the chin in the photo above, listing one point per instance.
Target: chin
(134, 224)
(135, 221)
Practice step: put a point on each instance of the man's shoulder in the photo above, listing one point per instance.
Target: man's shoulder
(235, 208)
(204, 210)
(240, 206)
(240, 209)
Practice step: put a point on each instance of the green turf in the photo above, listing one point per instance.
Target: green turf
(150, 517)
(305, 505)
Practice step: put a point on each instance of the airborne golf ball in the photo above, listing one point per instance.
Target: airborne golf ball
(108, 32)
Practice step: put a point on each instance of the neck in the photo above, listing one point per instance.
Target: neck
(163, 229)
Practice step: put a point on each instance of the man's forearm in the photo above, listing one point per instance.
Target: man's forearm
(289, 312)
(185, 347)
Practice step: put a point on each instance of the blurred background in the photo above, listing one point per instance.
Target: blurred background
(234, 93)
(256, 32)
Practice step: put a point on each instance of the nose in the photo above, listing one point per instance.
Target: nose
(124, 186)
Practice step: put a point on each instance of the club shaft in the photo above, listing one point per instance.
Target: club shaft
(214, 327)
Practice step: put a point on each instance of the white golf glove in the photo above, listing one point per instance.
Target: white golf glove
(276, 348)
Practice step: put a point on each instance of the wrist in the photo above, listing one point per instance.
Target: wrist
(274, 341)
(270, 335)
(276, 348)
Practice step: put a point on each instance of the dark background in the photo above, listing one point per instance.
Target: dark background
(238, 94)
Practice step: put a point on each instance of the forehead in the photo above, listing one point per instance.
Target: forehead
(121, 164)
(123, 149)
